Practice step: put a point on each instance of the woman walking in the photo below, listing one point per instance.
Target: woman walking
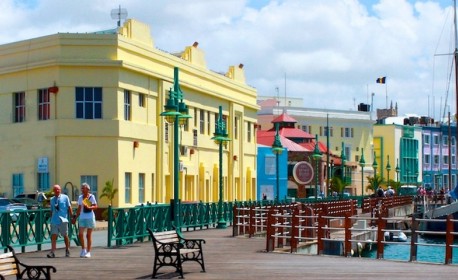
(86, 219)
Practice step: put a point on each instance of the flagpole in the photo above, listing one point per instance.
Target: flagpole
(386, 94)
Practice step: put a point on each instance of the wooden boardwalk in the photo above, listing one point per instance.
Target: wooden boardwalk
(228, 257)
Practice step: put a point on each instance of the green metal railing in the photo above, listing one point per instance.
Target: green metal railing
(128, 225)
(29, 228)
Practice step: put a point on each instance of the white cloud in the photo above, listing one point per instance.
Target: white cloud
(334, 48)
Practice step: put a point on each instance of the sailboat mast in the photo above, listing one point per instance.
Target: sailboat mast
(456, 92)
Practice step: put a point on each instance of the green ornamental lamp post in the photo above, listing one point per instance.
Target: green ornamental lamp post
(344, 160)
(362, 163)
(277, 149)
(220, 138)
(388, 168)
(176, 112)
(375, 165)
(316, 157)
(397, 169)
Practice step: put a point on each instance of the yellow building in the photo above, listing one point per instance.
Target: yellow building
(399, 146)
(86, 108)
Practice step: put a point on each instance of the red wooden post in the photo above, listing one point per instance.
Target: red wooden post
(413, 239)
(294, 231)
(252, 222)
(235, 226)
(347, 242)
(320, 233)
(270, 240)
(449, 240)
(280, 230)
(380, 236)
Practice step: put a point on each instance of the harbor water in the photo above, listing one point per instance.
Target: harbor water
(432, 252)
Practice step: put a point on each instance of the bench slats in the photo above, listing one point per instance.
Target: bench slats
(9, 259)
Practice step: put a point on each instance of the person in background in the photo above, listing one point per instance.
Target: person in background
(86, 219)
(60, 208)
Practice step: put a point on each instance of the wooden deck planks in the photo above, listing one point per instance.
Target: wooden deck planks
(228, 257)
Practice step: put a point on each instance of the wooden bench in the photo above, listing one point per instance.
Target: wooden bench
(10, 265)
(172, 249)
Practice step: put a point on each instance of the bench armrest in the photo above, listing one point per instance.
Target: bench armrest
(33, 272)
(192, 243)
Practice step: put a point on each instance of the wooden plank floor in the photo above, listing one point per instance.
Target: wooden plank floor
(227, 257)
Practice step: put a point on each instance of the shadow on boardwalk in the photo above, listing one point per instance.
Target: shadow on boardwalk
(227, 257)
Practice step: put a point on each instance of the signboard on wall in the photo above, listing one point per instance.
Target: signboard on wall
(303, 172)
(42, 166)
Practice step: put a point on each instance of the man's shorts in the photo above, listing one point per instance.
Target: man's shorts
(61, 229)
(86, 223)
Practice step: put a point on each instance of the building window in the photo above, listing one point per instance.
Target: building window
(43, 182)
(44, 104)
(127, 106)
(141, 188)
(436, 159)
(426, 139)
(453, 141)
(331, 131)
(88, 102)
(127, 187)
(18, 184)
(436, 139)
(208, 123)
(202, 122)
(92, 181)
(248, 131)
(236, 128)
(427, 159)
(166, 132)
(142, 100)
(195, 117)
(19, 107)
(445, 140)
(445, 158)
(194, 137)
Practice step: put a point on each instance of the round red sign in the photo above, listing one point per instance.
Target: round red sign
(303, 172)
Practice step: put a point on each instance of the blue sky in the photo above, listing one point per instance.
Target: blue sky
(329, 50)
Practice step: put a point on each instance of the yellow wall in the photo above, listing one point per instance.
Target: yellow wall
(105, 147)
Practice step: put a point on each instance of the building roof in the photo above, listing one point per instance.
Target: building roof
(284, 118)
(291, 132)
(267, 138)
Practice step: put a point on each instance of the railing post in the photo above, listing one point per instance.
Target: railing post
(252, 221)
(380, 236)
(347, 242)
(413, 239)
(270, 240)
(320, 233)
(235, 226)
(449, 240)
(294, 231)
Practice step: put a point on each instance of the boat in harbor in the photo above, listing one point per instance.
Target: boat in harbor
(395, 236)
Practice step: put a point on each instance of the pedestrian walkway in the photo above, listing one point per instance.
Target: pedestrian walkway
(228, 257)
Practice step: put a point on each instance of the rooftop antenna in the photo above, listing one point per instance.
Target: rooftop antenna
(119, 14)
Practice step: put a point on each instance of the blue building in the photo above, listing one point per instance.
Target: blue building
(267, 175)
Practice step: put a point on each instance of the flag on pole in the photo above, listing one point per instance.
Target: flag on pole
(381, 80)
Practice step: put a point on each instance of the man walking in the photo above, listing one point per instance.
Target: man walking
(60, 209)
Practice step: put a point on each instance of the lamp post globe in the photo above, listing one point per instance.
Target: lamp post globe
(388, 169)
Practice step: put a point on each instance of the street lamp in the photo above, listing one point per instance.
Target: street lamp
(316, 157)
(375, 165)
(397, 169)
(342, 156)
(388, 169)
(220, 138)
(362, 163)
(176, 112)
(277, 149)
